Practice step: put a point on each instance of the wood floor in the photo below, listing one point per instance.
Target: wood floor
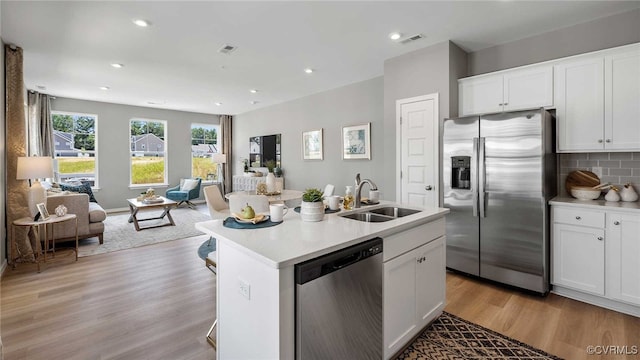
(151, 302)
(158, 301)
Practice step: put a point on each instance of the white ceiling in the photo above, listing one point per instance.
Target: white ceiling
(68, 46)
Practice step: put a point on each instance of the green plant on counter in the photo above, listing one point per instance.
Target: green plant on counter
(312, 195)
(270, 164)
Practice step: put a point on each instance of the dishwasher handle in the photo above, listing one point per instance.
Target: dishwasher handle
(337, 260)
(346, 261)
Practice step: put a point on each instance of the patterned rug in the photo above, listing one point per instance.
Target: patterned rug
(450, 337)
(119, 234)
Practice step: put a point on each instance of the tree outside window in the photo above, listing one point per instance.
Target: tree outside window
(148, 146)
(204, 143)
(75, 148)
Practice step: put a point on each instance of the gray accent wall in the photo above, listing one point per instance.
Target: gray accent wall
(113, 145)
(599, 34)
(354, 104)
(434, 69)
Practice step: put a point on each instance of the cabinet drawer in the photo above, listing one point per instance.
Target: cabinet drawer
(578, 217)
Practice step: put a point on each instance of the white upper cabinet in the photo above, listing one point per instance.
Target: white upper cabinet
(580, 104)
(597, 100)
(622, 101)
(518, 89)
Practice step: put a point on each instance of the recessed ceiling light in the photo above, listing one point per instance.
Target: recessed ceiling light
(308, 70)
(218, 103)
(41, 87)
(395, 36)
(253, 102)
(156, 102)
(141, 23)
(104, 88)
(253, 91)
(117, 65)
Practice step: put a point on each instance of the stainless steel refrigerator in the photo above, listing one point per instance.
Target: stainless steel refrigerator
(499, 172)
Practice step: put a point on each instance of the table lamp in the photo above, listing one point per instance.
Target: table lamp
(35, 167)
(219, 158)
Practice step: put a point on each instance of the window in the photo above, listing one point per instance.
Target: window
(148, 144)
(204, 143)
(75, 136)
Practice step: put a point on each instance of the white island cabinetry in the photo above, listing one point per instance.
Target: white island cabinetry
(414, 283)
(595, 252)
(256, 289)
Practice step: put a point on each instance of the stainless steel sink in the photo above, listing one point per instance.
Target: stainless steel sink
(394, 211)
(367, 217)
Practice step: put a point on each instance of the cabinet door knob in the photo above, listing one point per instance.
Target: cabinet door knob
(428, 187)
(600, 141)
(505, 104)
(616, 222)
(578, 218)
(600, 238)
(608, 140)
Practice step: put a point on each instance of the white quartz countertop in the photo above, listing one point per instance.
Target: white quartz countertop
(631, 206)
(295, 241)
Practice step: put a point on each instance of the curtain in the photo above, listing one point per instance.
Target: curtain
(225, 134)
(39, 124)
(16, 196)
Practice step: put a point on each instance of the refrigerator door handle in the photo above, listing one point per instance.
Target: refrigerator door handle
(482, 177)
(474, 176)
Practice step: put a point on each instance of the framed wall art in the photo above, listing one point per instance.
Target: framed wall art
(356, 142)
(312, 145)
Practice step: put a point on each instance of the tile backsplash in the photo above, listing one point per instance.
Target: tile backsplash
(617, 168)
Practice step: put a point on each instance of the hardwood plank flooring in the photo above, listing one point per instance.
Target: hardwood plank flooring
(555, 324)
(151, 302)
(158, 301)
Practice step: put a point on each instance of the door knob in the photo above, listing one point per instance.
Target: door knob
(428, 187)
(616, 222)
(608, 140)
(600, 141)
(600, 238)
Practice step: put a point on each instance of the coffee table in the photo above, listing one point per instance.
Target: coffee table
(135, 206)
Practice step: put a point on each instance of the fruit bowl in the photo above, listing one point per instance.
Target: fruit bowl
(585, 193)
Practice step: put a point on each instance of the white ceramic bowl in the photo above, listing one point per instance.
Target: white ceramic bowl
(585, 193)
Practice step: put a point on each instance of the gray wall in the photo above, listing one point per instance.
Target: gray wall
(434, 69)
(113, 144)
(603, 33)
(354, 104)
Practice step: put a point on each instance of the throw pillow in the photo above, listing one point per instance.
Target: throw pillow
(189, 184)
(84, 188)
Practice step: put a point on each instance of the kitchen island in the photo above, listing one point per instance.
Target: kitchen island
(256, 288)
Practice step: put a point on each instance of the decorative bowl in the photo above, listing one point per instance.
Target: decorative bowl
(585, 193)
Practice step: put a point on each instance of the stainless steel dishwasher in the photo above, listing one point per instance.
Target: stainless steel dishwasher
(339, 304)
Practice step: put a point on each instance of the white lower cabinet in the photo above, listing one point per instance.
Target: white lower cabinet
(623, 257)
(414, 293)
(597, 260)
(578, 254)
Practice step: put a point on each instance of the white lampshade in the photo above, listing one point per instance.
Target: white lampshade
(34, 167)
(219, 158)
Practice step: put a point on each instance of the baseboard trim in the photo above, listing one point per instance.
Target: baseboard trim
(597, 301)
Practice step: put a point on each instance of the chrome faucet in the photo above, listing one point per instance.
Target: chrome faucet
(359, 185)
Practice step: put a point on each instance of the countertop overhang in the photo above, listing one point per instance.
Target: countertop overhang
(295, 241)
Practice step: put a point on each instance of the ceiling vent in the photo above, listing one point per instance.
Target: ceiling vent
(411, 39)
(227, 49)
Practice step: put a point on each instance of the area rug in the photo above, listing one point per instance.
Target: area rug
(119, 234)
(450, 337)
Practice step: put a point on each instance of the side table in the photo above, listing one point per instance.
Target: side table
(48, 223)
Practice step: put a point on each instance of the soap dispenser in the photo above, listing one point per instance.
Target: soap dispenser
(347, 203)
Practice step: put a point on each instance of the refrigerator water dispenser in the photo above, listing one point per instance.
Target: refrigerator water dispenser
(461, 172)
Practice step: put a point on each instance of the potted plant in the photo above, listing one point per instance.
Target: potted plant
(312, 207)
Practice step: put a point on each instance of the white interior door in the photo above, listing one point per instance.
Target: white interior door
(418, 149)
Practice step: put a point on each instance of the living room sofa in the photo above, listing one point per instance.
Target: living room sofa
(90, 216)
